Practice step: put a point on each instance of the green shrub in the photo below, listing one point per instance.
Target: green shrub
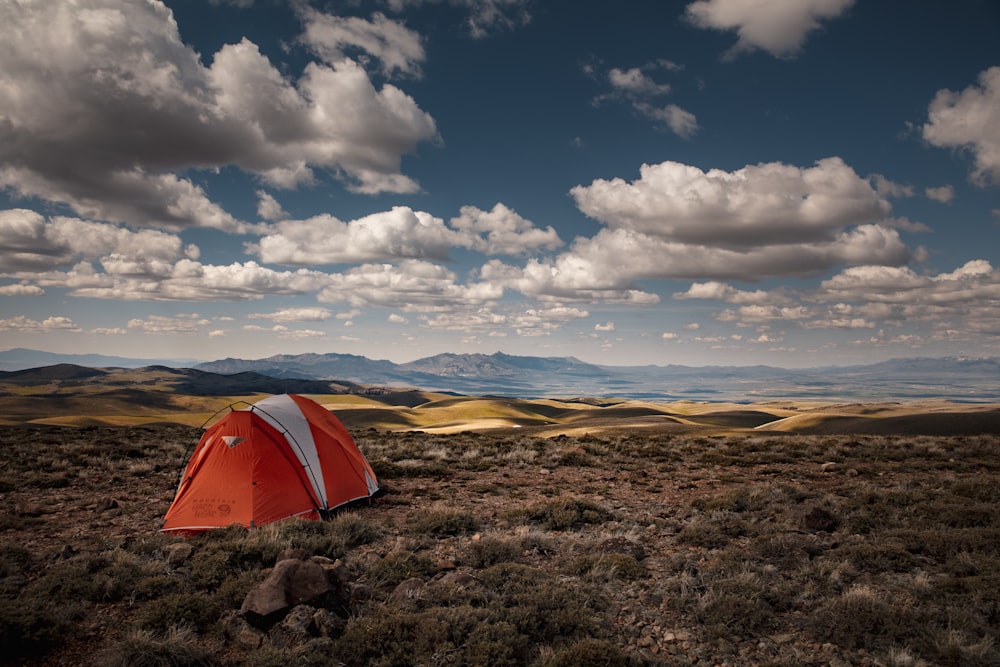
(398, 566)
(178, 647)
(715, 530)
(602, 567)
(444, 523)
(461, 635)
(871, 556)
(32, 627)
(14, 559)
(576, 456)
(728, 613)
(315, 652)
(226, 552)
(540, 606)
(385, 469)
(197, 611)
(954, 648)
(95, 578)
(491, 551)
(736, 602)
(353, 528)
(787, 551)
(567, 513)
(589, 652)
(858, 618)
(231, 592)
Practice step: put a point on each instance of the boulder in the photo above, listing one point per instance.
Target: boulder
(291, 582)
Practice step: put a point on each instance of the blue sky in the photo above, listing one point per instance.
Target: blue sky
(786, 182)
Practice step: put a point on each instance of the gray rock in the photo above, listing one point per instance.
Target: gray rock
(408, 589)
(291, 582)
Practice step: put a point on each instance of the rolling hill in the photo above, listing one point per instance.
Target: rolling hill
(69, 395)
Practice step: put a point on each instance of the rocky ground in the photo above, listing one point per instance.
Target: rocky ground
(690, 550)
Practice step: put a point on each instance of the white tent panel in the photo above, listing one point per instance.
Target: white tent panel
(283, 413)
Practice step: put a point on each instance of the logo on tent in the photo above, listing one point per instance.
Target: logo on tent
(233, 440)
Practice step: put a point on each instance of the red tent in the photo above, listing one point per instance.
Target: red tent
(282, 457)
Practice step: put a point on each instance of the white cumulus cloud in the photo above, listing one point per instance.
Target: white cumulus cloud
(396, 47)
(680, 121)
(102, 106)
(636, 86)
(411, 286)
(29, 243)
(23, 324)
(396, 234)
(501, 231)
(268, 207)
(758, 205)
(779, 27)
(678, 221)
(970, 120)
(944, 194)
(402, 233)
(301, 314)
(483, 17)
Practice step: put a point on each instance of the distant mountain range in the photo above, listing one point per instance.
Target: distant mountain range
(20, 358)
(190, 381)
(953, 378)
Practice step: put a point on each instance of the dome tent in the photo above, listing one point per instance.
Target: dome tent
(285, 456)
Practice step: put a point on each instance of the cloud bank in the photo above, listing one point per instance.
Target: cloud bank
(104, 109)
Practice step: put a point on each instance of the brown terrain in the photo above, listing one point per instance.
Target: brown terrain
(546, 532)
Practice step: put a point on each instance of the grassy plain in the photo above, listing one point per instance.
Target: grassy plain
(547, 533)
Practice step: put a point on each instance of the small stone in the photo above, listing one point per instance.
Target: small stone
(408, 589)
(456, 578)
(106, 505)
